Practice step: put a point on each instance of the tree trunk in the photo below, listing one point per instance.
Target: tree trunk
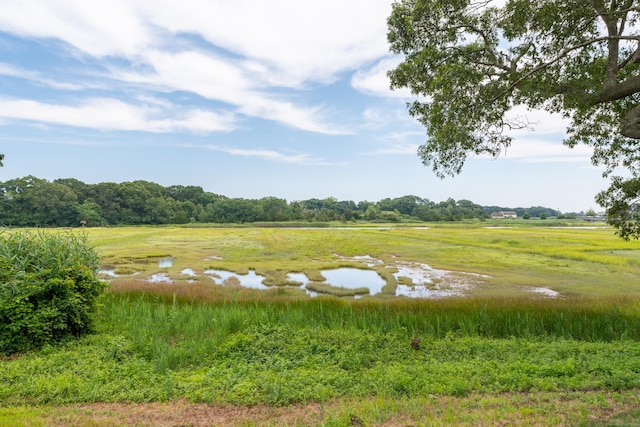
(630, 124)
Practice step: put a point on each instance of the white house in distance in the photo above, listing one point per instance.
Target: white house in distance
(504, 214)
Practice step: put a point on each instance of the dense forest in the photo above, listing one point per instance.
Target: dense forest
(32, 201)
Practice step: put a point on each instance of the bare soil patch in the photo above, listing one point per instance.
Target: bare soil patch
(184, 414)
(477, 410)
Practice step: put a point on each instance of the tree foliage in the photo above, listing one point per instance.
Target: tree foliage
(36, 202)
(471, 63)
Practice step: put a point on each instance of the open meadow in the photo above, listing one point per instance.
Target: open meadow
(479, 323)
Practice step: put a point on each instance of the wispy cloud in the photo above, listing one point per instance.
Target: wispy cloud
(21, 73)
(218, 78)
(375, 81)
(270, 155)
(296, 41)
(113, 114)
(71, 141)
(250, 49)
(539, 122)
(98, 29)
(400, 142)
(539, 150)
(398, 148)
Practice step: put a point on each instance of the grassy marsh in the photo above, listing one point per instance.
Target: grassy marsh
(499, 355)
(572, 261)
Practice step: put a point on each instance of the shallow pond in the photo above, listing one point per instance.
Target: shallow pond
(354, 278)
(545, 292)
(165, 262)
(301, 278)
(250, 280)
(108, 272)
(421, 291)
(298, 278)
(415, 280)
(188, 272)
(350, 278)
(159, 278)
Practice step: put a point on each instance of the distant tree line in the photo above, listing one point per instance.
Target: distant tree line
(532, 212)
(32, 201)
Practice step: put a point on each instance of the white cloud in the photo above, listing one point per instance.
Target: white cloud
(112, 114)
(306, 118)
(374, 80)
(79, 142)
(266, 45)
(272, 155)
(400, 142)
(540, 122)
(541, 140)
(217, 78)
(539, 150)
(300, 41)
(399, 148)
(377, 117)
(96, 28)
(205, 74)
(12, 71)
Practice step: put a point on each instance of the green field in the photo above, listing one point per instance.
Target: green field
(501, 354)
(572, 261)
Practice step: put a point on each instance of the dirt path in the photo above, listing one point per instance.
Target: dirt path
(522, 409)
(184, 414)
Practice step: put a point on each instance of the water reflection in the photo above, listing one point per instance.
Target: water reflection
(419, 274)
(110, 272)
(354, 278)
(545, 291)
(420, 291)
(301, 278)
(188, 272)
(165, 262)
(250, 280)
(298, 278)
(428, 282)
(159, 278)
(414, 280)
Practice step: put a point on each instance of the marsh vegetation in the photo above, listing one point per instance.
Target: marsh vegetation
(498, 353)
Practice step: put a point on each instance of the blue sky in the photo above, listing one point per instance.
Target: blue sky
(244, 98)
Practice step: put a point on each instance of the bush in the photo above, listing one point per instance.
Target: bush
(48, 288)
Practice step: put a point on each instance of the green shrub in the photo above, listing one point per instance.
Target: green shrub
(48, 288)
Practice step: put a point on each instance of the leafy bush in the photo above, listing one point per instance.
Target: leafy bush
(48, 288)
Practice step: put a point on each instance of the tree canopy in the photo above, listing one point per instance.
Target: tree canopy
(471, 62)
(36, 202)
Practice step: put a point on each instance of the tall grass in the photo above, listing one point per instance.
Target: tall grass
(176, 330)
(279, 349)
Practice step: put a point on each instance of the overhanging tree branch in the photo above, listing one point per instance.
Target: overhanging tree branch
(563, 54)
(578, 58)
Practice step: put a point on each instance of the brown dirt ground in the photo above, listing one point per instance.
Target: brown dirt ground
(184, 414)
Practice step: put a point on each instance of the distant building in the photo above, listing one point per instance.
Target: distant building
(593, 218)
(504, 214)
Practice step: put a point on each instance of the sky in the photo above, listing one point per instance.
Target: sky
(244, 98)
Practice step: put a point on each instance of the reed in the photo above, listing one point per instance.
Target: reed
(48, 288)
(177, 330)
(157, 346)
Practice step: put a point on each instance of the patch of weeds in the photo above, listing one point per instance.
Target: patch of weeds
(123, 271)
(324, 288)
